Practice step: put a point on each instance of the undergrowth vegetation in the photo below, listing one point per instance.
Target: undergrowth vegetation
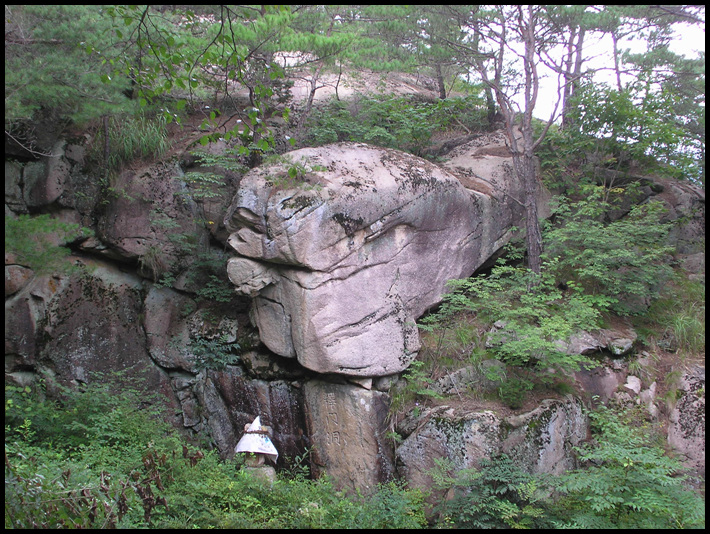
(97, 459)
(675, 322)
(626, 481)
(403, 122)
(125, 139)
(592, 267)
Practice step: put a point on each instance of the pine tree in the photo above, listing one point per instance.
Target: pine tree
(48, 72)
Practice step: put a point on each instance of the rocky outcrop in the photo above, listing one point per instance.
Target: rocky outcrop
(96, 322)
(539, 441)
(343, 247)
(78, 325)
(686, 433)
(685, 203)
(149, 217)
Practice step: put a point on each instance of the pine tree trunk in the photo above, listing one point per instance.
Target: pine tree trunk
(533, 235)
(524, 163)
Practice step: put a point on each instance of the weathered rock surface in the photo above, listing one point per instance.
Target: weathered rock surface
(346, 424)
(685, 203)
(618, 341)
(540, 441)
(145, 216)
(686, 433)
(342, 260)
(86, 325)
(300, 235)
(16, 276)
(230, 400)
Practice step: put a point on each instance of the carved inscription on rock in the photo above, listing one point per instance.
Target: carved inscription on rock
(346, 424)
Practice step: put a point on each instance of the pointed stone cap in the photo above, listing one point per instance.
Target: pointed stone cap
(256, 440)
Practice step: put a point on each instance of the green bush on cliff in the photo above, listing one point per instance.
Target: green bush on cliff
(530, 323)
(48, 70)
(498, 494)
(591, 267)
(626, 480)
(619, 265)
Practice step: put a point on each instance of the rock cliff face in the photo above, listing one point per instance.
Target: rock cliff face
(334, 253)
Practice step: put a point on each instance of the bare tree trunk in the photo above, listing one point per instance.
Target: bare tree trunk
(522, 147)
(525, 165)
(440, 82)
(107, 141)
(617, 68)
(313, 82)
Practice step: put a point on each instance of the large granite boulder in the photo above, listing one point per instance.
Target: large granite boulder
(343, 247)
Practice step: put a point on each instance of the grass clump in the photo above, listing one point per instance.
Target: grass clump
(675, 322)
(124, 139)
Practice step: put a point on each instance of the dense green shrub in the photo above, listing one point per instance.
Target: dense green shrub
(627, 482)
(95, 459)
(498, 494)
(48, 70)
(591, 266)
(620, 264)
(530, 318)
